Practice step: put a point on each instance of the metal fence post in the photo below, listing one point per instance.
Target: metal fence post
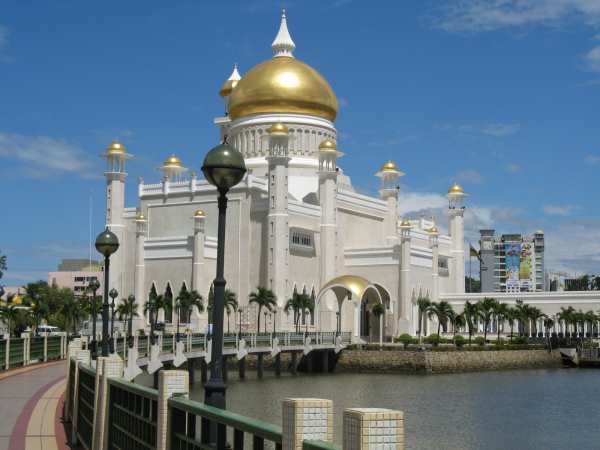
(45, 347)
(80, 357)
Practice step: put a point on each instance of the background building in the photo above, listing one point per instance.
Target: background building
(76, 274)
(512, 262)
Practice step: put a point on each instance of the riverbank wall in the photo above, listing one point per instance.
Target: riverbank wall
(400, 361)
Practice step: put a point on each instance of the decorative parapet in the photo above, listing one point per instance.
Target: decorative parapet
(306, 419)
(373, 429)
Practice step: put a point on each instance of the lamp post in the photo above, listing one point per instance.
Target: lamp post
(151, 314)
(106, 243)
(177, 310)
(112, 294)
(274, 321)
(130, 300)
(240, 324)
(337, 321)
(265, 313)
(223, 167)
(94, 285)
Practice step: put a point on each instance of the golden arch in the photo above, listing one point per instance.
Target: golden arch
(355, 286)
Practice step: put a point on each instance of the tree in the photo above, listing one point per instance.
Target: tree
(2, 265)
(591, 318)
(457, 321)
(39, 311)
(156, 304)
(263, 298)
(300, 304)
(72, 311)
(486, 307)
(9, 315)
(231, 304)
(423, 304)
(535, 314)
(567, 317)
(501, 312)
(471, 314)
(187, 300)
(512, 315)
(548, 324)
(442, 312)
(127, 310)
(378, 311)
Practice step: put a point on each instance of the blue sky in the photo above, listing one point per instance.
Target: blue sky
(502, 96)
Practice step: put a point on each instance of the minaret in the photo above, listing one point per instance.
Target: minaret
(278, 217)
(328, 171)
(115, 174)
(389, 175)
(456, 209)
(228, 86)
(283, 45)
(198, 268)
(435, 269)
(141, 230)
(405, 324)
(173, 169)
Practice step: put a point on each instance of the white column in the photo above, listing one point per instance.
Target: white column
(435, 270)
(457, 251)
(199, 322)
(140, 271)
(405, 324)
(328, 245)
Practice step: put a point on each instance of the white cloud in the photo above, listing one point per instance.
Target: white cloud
(592, 59)
(513, 168)
(592, 159)
(416, 202)
(495, 129)
(489, 15)
(470, 176)
(574, 247)
(43, 156)
(559, 210)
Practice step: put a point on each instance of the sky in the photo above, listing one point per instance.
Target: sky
(502, 96)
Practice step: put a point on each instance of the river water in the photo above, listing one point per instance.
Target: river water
(530, 409)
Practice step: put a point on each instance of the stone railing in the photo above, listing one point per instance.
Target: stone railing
(108, 413)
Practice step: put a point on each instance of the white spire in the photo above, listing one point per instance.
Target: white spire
(235, 75)
(283, 44)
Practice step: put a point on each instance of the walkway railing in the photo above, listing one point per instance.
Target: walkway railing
(15, 352)
(109, 413)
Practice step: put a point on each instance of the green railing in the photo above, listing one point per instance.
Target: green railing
(36, 349)
(183, 434)
(85, 406)
(17, 355)
(142, 346)
(198, 342)
(318, 445)
(132, 416)
(2, 353)
(54, 347)
(72, 388)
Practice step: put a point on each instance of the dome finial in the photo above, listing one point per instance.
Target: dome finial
(283, 45)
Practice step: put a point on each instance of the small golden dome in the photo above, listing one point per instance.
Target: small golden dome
(228, 87)
(115, 148)
(283, 85)
(405, 224)
(17, 300)
(456, 189)
(140, 217)
(199, 213)
(433, 230)
(389, 166)
(327, 145)
(172, 162)
(278, 129)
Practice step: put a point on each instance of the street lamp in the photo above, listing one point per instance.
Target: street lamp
(337, 321)
(240, 324)
(274, 321)
(223, 167)
(106, 243)
(265, 313)
(131, 301)
(94, 285)
(113, 294)
(177, 310)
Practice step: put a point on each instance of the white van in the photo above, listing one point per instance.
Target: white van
(52, 331)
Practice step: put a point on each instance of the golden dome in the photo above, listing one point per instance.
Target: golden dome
(388, 166)
(283, 85)
(115, 148)
(456, 189)
(140, 217)
(433, 230)
(278, 129)
(172, 162)
(227, 87)
(405, 224)
(328, 145)
(199, 213)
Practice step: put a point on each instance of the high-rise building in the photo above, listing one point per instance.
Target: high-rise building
(512, 262)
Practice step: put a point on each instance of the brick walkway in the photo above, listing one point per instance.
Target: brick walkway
(31, 407)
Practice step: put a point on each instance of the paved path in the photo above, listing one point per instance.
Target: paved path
(31, 407)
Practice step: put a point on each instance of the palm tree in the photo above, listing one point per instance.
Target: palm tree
(548, 323)
(591, 318)
(566, 315)
(9, 314)
(457, 321)
(264, 298)
(423, 304)
(486, 311)
(471, 314)
(511, 316)
(231, 305)
(126, 310)
(535, 314)
(187, 300)
(378, 311)
(501, 311)
(523, 317)
(294, 303)
(155, 304)
(39, 311)
(442, 312)
(72, 311)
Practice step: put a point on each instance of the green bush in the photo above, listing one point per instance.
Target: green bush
(459, 341)
(479, 340)
(404, 339)
(433, 339)
(519, 340)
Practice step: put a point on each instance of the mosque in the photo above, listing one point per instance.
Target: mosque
(294, 224)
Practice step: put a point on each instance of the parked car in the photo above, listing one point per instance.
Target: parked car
(51, 330)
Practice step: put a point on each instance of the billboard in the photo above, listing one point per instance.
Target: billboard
(512, 253)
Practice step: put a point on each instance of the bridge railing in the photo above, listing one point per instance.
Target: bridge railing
(85, 396)
(132, 416)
